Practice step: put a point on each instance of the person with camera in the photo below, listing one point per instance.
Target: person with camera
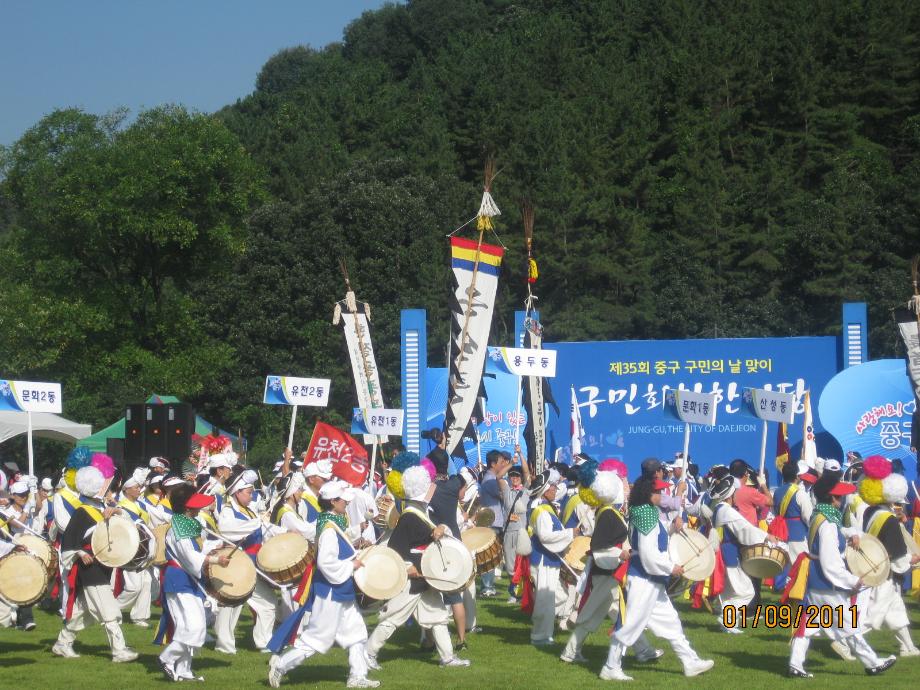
(491, 489)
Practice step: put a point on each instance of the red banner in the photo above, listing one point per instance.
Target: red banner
(329, 443)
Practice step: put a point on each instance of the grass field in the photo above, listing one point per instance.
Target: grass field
(501, 656)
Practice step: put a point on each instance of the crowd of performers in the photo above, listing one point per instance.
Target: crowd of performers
(619, 531)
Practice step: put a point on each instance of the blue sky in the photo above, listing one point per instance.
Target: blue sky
(103, 54)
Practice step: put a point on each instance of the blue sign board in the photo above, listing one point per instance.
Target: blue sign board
(620, 387)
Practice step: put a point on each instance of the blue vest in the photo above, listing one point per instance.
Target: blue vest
(324, 589)
(177, 581)
(635, 562)
(798, 531)
(729, 546)
(539, 554)
(255, 537)
(817, 580)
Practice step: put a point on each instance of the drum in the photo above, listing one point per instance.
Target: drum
(159, 554)
(576, 556)
(230, 585)
(448, 565)
(387, 514)
(41, 548)
(869, 561)
(692, 551)
(763, 560)
(115, 541)
(23, 578)
(485, 547)
(383, 575)
(285, 557)
(677, 586)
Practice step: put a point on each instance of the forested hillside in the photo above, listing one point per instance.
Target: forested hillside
(698, 169)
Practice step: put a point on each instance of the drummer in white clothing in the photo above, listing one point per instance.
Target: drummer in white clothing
(548, 540)
(239, 524)
(183, 610)
(735, 531)
(335, 618)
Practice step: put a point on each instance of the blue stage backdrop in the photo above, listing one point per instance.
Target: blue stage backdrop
(620, 387)
(868, 409)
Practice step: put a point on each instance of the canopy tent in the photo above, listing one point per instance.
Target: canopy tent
(97, 442)
(44, 425)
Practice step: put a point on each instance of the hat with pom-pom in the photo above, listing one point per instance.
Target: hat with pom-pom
(415, 483)
(104, 464)
(876, 470)
(79, 457)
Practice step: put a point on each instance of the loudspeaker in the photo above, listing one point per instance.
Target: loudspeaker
(180, 425)
(115, 449)
(134, 436)
(154, 431)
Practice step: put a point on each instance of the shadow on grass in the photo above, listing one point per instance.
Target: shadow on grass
(6, 661)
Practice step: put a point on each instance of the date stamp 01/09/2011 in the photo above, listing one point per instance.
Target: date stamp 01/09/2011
(790, 616)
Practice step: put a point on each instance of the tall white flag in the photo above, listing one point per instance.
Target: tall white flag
(809, 450)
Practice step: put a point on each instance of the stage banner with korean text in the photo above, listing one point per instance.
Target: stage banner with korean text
(868, 409)
(620, 387)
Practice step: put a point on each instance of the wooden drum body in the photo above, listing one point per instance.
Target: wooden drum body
(285, 557)
(233, 584)
(159, 554)
(763, 560)
(387, 514)
(23, 578)
(576, 557)
(485, 547)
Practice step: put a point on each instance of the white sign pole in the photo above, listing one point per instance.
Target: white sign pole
(686, 444)
(517, 419)
(763, 445)
(371, 485)
(31, 451)
(293, 422)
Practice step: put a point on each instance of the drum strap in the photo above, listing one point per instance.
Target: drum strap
(71, 500)
(93, 512)
(535, 514)
(135, 510)
(813, 529)
(570, 507)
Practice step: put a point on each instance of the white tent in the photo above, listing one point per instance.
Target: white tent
(44, 425)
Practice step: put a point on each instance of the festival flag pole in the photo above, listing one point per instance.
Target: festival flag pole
(469, 333)
(369, 395)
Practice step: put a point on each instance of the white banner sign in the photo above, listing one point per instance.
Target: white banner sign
(770, 406)
(30, 396)
(524, 361)
(287, 390)
(691, 407)
(378, 422)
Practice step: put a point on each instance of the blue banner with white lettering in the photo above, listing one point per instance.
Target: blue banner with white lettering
(620, 387)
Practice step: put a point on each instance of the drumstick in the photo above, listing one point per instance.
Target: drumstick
(868, 560)
(26, 528)
(236, 547)
(690, 542)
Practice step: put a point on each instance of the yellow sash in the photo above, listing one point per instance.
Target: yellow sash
(135, 507)
(282, 512)
(413, 509)
(915, 573)
(92, 511)
(535, 513)
(853, 504)
(312, 500)
(70, 497)
(787, 499)
(570, 506)
(878, 521)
